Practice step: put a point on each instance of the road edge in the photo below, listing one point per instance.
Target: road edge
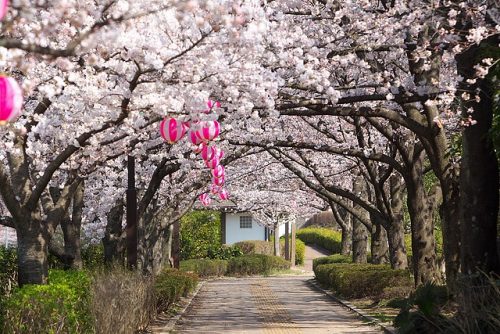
(352, 308)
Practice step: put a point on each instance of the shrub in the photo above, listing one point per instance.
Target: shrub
(122, 301)
(224, 252)
(254, 264)
(256, 247)
(8, 270)
(200, 234)
(205, 267)
(62, 306)
(335, 258)
(322, 237)
(171, 284)
(353, 280)
(93, 256)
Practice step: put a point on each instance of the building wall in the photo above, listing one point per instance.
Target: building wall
(234, 233)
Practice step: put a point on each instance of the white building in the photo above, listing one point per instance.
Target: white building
(242, 226)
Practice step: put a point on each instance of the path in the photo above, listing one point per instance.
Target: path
(268, 305)
(312, 253)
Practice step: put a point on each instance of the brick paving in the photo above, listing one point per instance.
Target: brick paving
(268, 305)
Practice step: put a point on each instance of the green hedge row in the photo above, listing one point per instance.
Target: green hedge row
(267, 248)
(249, 264)
(77, 302)
(353, 280)
(335, 258)
(325, 238)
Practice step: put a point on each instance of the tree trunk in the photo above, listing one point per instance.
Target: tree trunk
(479, 180)
(397, 249)
(347, 237)
(71, 231)
(359, 231)
(176, 244)
(422, 228)
(113, 236)
(276, 239)
(32, 250)
(379, 245)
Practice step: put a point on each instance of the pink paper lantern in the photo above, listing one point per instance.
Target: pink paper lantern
(212, 163)
(209, 152)
(11, 99)
(215, 189)
(4, 4)
(223, 194)
(209, 130)
(218, 181)
(172, 130)
(218, 172)
(205, 199)
(193, 138)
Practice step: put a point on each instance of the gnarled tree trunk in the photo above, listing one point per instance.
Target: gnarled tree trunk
(379, 245)
(32, 250)
(359, 231)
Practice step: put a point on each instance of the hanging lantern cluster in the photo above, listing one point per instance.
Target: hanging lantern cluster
(201, 135)
(11, 97)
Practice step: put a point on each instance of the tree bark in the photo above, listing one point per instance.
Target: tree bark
(396, 234)
(359, 231)
(32, 249)
(71, 231)
(345, 224)
(176, 244)
(479, 178)
(379, 245)
(113, 236)
(422, 228)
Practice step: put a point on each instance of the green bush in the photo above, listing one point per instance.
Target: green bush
(8, 270)
(335, 258)
(200, 234)
(205, 267)
(255, 264)
(224, 252)
(171, 284)
(93, 256)
(323, 237)
(256, 247)
(62, 306)
(353, 280)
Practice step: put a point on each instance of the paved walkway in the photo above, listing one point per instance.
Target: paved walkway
(268, 305)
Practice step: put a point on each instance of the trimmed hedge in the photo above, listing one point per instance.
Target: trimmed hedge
(335, 258)
(255, 264)
(353, 280)
(205, 267)
(267, 248)
(326, 238)
(171, 284)
(255, 247)
(62, 306)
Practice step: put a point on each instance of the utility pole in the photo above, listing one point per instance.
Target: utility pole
(131, 228)
(294, 244)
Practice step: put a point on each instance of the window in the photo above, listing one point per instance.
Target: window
(245, 221)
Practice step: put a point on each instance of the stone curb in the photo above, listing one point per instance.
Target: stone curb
(173, 321)
(385, 328)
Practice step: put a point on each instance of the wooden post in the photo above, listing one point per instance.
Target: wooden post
(223, 227)
(287, 241)
(294, 244)
(131, 228)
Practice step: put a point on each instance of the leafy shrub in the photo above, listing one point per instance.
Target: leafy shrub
(171, 284)
(93, 256)
(335, 258)
(8, 270)
(420, 313)
(62, 306)
(224, 252)
(254, 264)
(256, 247)
(353, 280)
(205, 267)
(122, 301)
(200, 234)
(322, 237)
